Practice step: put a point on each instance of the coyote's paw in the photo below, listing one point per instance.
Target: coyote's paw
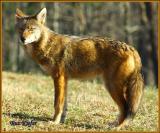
(54, 122)
(123, 125)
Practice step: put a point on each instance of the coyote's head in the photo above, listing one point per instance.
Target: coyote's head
(30, 27)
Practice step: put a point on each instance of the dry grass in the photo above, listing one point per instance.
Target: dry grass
(27, 97)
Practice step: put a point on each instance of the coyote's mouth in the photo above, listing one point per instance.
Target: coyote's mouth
(30, 40)
(27, 43)
(24, 42)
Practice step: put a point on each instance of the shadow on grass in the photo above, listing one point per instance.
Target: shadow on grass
(74, 123)
(24, 116)
(87, 126)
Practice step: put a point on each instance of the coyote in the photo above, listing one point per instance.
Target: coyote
(64, 57)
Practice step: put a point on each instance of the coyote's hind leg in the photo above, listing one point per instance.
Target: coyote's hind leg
(119, 99)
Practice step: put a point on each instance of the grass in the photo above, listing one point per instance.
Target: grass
(27, 97)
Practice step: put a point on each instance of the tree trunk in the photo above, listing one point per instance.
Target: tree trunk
(154, 55)
(56, 17)
(143, 45)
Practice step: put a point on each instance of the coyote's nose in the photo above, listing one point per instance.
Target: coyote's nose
(22, 39)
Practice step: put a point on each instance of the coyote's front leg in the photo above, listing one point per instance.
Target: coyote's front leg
(60, 83)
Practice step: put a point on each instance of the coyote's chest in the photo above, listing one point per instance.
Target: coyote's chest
(40, 56)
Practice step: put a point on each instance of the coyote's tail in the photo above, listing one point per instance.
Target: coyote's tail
(134, 93)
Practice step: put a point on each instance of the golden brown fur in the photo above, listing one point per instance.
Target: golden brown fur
(65, 57)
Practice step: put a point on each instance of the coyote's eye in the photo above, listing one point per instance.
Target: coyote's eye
(33, 28)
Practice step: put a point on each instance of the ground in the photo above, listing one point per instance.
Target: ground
(27, 105)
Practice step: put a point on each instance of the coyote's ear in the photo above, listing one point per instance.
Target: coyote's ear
(41, 15)
(20, 14)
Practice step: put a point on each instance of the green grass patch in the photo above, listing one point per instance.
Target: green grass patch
(29, 97)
